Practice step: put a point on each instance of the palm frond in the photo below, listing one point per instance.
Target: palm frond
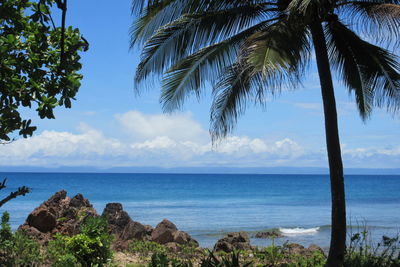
(301, 6)
(280, 53)
(378, 19)
(191, 32)
(269, 59)
(157, 13)
(368, 70)
(231, 94)
(189, 74)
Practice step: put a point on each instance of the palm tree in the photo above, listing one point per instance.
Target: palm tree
(248, 48)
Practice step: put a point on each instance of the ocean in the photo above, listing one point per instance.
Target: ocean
(208, 206)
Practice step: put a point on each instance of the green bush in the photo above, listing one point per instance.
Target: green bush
(162, 260)
(272, 254)
(228, 260)
(17, 249)
(317, 259)
(146, 248)
(362, 253)
(189, 251)
(91, 247)
(159, 260)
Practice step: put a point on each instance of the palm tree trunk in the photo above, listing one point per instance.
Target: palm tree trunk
(338, 234)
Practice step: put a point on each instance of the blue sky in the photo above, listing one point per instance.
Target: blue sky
(109, 126)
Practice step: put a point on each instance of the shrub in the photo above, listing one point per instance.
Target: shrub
(272, 255)
(17, 249)
(317, 259)
(229, 260)
(159, 260)
(91, 247)
(362, 253)
(189, 251)
(162, 260)
(146, 248)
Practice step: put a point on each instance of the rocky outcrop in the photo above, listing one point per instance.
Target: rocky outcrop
(268, 234)
(123, 227)
(294, 248)
(59, 214)
(64, 215)
(166, 232)
(233, 241)
(163, 233)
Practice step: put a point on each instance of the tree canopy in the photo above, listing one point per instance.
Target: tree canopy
(39, 63)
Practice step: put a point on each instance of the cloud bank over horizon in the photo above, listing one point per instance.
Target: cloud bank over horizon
(176, 140)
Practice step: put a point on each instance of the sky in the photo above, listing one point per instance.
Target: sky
(109, 126)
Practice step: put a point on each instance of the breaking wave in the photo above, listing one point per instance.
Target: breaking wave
(298, 231)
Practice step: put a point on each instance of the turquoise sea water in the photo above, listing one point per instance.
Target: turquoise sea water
(209, 205)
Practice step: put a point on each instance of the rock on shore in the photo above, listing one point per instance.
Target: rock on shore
(59, 214)
(268, 234)
(166, 232)
(233, 241)
(64, 215)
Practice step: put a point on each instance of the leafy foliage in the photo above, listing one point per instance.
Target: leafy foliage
(35, 71)
(91, 247)
(362, 253)
(17, 249)
(162, 260)
(146, 248)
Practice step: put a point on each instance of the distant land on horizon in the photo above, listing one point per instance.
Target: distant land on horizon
(203, 170)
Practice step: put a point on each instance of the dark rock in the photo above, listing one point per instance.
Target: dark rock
(173, 247)
(117, 218)
(123, 227)
(79, 201)
(268, 234)
(134, 230)
(164, 232)
(182, 238)
(42, 220)
(57, 197)
(149, 229)
(59, 214)
(239, 241)
(295, 248)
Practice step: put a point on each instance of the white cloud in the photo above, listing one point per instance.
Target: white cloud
(172, 141)
(148, 126)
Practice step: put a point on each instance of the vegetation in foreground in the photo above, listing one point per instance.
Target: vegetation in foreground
(92, 247)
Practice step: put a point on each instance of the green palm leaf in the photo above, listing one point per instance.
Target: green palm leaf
(189, 74)
(378, 19)
(372, 72)
(269, 59)
(157, 13)
(280, 53)
(231, 94)
(169, 43)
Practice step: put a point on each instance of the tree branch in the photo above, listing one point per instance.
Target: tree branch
(20, 192)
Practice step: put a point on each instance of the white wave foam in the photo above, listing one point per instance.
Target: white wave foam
(298, 231)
